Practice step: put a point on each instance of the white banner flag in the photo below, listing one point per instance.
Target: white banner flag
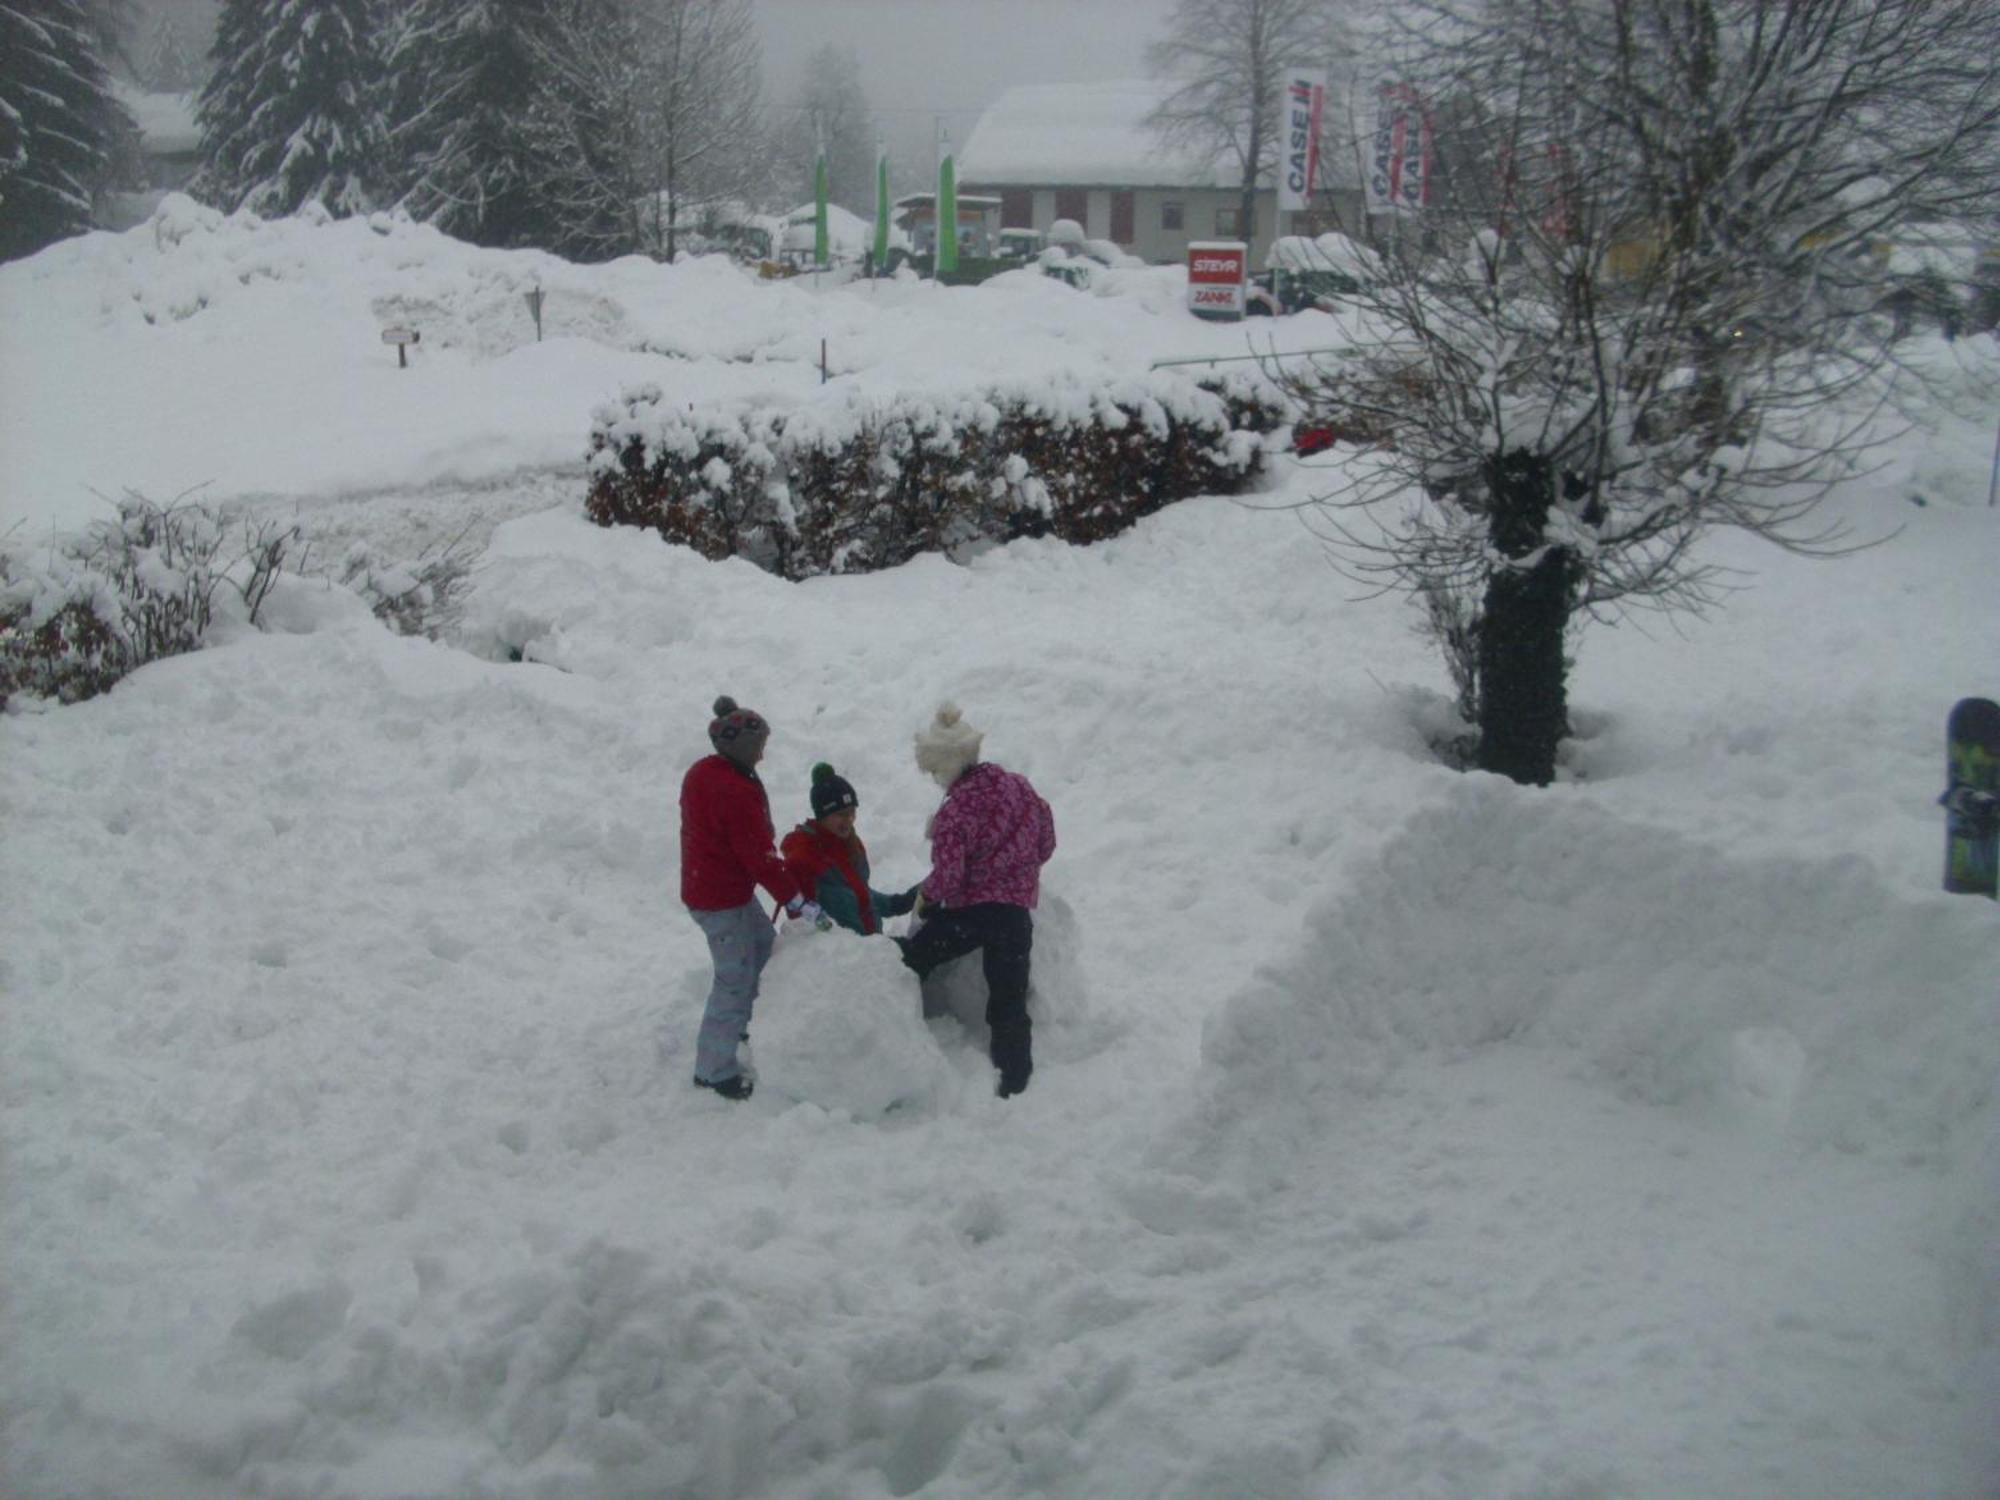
(1298, 145)
(1399, 171)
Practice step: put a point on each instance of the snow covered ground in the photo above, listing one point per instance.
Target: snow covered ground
(1395, 1132)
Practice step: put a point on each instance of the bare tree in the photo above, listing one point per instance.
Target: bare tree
(832, 115)
(587, 166)
(642, 109)
(700, 117)
(1645, 303)
(1228, 60)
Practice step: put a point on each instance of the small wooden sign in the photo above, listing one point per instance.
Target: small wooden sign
(402, 338)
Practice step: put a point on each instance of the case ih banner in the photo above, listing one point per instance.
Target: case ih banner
(1305, 105)
(1399, 173)
(1217, 270)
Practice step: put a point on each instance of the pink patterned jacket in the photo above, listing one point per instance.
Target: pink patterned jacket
(989, 841)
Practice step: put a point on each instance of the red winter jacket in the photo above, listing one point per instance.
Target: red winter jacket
(726, 848)
(812, 853)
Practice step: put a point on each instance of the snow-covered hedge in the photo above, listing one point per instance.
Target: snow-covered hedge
(130, 590)
(87, 609)
(857, 482)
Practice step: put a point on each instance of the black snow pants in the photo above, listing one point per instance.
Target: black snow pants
(1005, 936)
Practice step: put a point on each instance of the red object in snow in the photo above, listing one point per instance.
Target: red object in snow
(1307, 441)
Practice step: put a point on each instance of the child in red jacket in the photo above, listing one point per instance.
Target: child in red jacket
(726, 854)
(830, 863)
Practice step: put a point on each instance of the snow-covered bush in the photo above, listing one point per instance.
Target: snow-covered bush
(422, 597)
(855, 483)
(127, 591)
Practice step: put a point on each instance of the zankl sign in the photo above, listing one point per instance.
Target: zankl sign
(1305, 105)
(1399, 173)
(1217, 271)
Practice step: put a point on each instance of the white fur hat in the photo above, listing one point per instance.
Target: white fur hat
(947, 745)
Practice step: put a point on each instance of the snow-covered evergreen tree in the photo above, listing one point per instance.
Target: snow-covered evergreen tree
(170, 65)
(58, 122)
(289, 116)
(462, 71)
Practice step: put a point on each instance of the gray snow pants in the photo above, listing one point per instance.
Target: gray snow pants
(739, 941)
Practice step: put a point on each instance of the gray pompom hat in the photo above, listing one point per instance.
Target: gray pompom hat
(736, 732)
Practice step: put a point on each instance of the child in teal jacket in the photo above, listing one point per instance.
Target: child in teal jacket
(827, 858)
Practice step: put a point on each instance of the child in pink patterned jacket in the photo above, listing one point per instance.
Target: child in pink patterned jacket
(989, 841)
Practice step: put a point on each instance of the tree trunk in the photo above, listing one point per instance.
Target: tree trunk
(1246, 201)
(1523, 707)
(1253, 159)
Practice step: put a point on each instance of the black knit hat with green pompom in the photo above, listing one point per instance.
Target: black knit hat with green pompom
(830, 794)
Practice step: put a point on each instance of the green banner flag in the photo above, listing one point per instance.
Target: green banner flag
(881, 208)
(820, 246)
(947, 212)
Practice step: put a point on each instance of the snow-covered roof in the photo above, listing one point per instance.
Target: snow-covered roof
(1079, 135)
(167, 125)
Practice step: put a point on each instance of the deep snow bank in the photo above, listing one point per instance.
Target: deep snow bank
(1800, 992)
(1840, 1038)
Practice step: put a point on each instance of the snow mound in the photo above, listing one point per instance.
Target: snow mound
(1803, 994)
(558, 590)
(839, 1024)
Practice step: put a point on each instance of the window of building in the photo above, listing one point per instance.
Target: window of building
(1171, 214)
(1229, 224)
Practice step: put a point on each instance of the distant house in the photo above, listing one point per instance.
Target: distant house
(1083, 151)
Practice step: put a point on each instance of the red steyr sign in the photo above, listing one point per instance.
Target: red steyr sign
(1216, 277)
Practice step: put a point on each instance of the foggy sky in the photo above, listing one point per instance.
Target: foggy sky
(954, 57)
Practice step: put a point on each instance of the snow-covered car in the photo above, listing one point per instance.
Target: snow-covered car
(1020, 244)
(1302, 272)
(1072, 257)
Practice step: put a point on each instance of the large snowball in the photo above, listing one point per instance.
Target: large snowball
(839, 1023)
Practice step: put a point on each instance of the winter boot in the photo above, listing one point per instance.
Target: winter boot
(738, 1088)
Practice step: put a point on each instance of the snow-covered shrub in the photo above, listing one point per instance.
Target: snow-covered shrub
(127, 591)
(853, 483)
(699, 477)
(67, 654)
(423, 597)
